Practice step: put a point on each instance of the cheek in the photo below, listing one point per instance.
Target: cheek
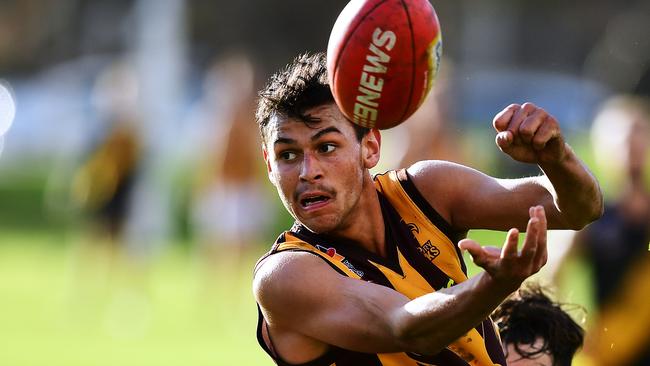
(284, 181)
(352, 176)
(285, 191)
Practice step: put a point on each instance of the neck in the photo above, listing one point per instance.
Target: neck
(365, 224)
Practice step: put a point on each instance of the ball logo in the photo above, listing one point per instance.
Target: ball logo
(434, 52)
(371, 83)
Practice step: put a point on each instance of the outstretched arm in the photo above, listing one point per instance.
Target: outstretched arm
(469, 199)
(304, 300)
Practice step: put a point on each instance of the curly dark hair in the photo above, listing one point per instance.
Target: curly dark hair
(300, 86)
(530, 314)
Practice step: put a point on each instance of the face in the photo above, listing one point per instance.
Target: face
(637, 145)
(515, 359)
(320, 170)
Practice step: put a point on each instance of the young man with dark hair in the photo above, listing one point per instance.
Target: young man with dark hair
(616, 247)
(370, 273)
(535, 331)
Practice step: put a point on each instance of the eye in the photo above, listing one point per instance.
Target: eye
(326, 148)
(287, 155)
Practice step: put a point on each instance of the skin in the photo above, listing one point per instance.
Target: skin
(515, 359)
(326, 160)
(300, 164)
(528, 134)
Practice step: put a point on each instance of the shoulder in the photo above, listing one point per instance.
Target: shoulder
(440, 169)
(285, 277)
(426, 175)
(438, 182)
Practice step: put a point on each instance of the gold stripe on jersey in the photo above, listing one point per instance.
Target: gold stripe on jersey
(398, 359)
(471, 346)
(411, 285)
(447, 260)
(294, 243)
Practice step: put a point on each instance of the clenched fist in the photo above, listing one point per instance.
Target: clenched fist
(529, 134)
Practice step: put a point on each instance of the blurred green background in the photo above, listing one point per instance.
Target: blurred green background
(64, 306)
(172, 286)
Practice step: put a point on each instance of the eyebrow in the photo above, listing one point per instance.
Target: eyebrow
(319, 134)
(284, 140)
(325, 131)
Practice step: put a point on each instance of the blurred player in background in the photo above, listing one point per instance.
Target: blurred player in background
(535, 331)
(617, 245)
(109, 275)
(370, 273)
(230, 207)
(103, 185)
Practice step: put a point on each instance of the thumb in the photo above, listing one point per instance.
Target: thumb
(504, 139)
(475, 250)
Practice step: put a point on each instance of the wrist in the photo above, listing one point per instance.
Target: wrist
(564, 160)
(499, 288)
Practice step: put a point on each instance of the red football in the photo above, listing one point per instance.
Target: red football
(382, 59)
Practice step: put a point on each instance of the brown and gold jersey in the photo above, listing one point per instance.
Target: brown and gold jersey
(422, 258)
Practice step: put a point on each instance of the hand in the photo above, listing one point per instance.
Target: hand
(508, 266)
(529, 134)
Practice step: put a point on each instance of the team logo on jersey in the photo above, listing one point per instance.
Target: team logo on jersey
(414, 228)
(429, 251)
(331, 252)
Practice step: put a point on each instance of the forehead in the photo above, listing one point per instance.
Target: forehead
(541, 359)
(324, 116)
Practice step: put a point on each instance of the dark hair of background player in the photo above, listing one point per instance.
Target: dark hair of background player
(529, 315)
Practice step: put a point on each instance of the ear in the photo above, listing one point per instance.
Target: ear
(269, 171)
(370, 148)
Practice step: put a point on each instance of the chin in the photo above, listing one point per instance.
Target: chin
(320, 226)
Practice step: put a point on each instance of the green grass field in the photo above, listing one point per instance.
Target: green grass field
(56, 312)
(59, 306)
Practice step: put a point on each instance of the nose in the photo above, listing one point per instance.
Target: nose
(311, 169)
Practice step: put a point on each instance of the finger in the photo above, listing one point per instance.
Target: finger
(546, 132)
(531, 124)
(502, 119)
(509, 249)
(519, 117)
(530, 246)
(542, 252)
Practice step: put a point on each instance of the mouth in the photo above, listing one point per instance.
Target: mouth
(314, 200)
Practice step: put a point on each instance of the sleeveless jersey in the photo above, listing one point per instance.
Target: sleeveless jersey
(617, 249)
(422, 258)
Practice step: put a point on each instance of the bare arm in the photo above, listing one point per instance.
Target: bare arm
(471, 200)
(576, 193)
(301, 296)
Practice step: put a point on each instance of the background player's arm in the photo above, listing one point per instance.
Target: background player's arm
(469, 199)
(301, 296)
